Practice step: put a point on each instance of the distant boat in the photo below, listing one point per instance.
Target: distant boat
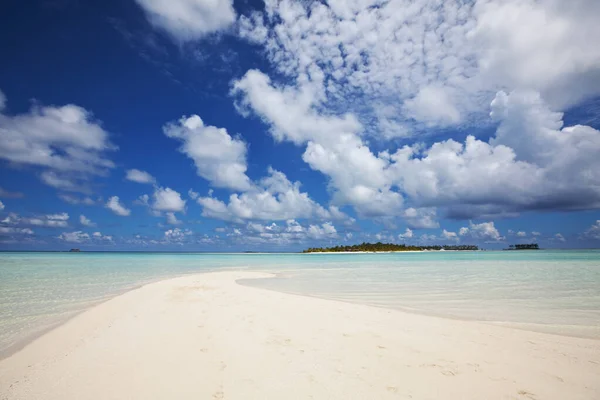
(74, 251)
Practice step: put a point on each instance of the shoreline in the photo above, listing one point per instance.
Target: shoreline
(203, 333)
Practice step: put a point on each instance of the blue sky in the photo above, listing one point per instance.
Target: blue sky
(230, 126)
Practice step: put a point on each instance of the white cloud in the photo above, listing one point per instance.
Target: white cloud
(65, 142)
(172, 219)
(76, 200)
(338, 51)
(218, 157)
(193, 195)
(16, 231)
(273, 198)
(188, 20)
(485, 231)
(534, 233)
(176, 235)
(83, 220)
(100, 236)
(1, 206)
(408, 234)
(116, 207)
(449, 235)
(74, 237)
(422, 218)
(325, 231)
(440, 62)
(521, 234)
(136, 175)
(594, 231)
(519, 39)
(560, 237)
(50, 220)
(167, 199)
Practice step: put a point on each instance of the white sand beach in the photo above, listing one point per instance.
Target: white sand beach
(207, 337)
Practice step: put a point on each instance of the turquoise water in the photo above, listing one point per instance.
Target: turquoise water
(550, 291)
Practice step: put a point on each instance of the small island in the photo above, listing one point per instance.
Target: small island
(531, 246)
(388, 247)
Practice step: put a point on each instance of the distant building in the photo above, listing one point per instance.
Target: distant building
(74, 251)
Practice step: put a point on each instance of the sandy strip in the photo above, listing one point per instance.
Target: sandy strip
(206, 337)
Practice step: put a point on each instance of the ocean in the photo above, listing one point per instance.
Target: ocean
(553, 291)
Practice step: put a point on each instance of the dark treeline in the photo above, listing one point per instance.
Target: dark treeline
(532, 246)
(374, 247)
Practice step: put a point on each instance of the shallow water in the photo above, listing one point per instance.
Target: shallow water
(550, 291)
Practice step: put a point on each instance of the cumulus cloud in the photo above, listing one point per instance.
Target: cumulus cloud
(218, 157)
(521, 234)
(485, 231)
(74, 237)
(116, 207)
(559, 237)
(167, 199)
(101, 237)
(273, 198)
(439, 62)
(50, 220)
(324, 231)
(594, 231)
(1, 206)
(187, 20)
(65, 142)
(367, 52)
(136, 175)
(83, 220)
(17, 231)
(176, 235)
(408, 234)
(172, 219)
(67, 198)
(449, 235)
(285, 233)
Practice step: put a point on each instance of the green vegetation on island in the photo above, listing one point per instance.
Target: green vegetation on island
(382, 247)
(532, 246)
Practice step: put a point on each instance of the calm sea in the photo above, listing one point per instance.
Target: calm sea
(548, 291)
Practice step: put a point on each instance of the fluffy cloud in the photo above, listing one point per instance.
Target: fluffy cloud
(167, 199)
(100, 236)
(325, 231)
(218, 157)
(559, 237)
(74, 237)
(408, 234)
(439, 62)
(135, 175)
(172, 219)
(83, 220)
(76, 200)
(367, 52)
(65, 142)
(289, 232)
(449, 235)
(176, 235)
(187, 20)
(273, 198)
(485, 231)
(9, 230)
(1, 206)
(521, 234)
(49, 221)
(594, 231)
(116, 207)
